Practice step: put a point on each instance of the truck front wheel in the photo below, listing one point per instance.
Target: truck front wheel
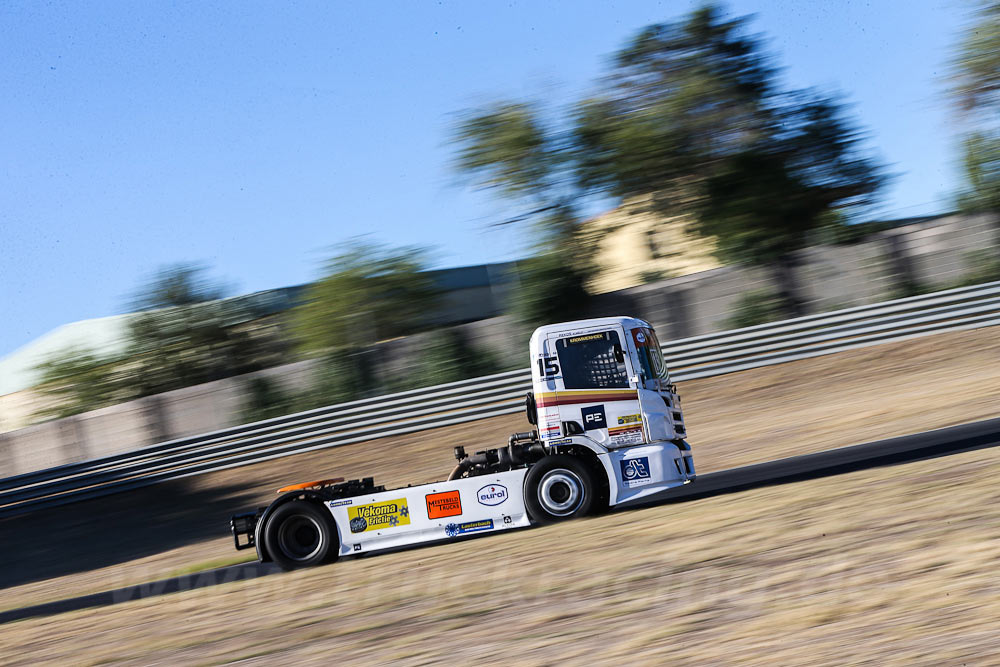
(558, 487)
(299, 534)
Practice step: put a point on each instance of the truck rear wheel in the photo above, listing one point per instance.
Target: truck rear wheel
(558, 487)
(299, 534)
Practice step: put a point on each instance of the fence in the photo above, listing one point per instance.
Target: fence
(494, 395)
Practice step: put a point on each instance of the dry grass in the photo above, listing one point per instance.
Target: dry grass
(886, 565)
(740, 545)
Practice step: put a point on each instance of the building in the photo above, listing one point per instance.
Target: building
(634, 247)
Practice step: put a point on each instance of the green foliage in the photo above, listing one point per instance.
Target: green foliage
(505, 146)
(171, 348)
(981, 162)
(680, 96)
(345, 374)
(370, 293)
(446, 356)
(835, 229)
(76, 380)
(549, 289)
(167, 348)
(181, 284)
(266, 399)
(976, 93)
(976, 82)
(754, 308)
(653, 276)
(693, 120)
(984, 267)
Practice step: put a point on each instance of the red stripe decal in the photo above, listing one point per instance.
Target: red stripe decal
(569, 399)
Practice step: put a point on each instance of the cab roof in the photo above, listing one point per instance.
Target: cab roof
(623, 320)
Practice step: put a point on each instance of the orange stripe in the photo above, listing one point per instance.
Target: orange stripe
(310, 485)
(568, 398)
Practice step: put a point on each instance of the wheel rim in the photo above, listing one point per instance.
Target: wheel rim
(560, 492)
(300, 537)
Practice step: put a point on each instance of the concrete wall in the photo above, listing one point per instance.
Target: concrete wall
(936, 253)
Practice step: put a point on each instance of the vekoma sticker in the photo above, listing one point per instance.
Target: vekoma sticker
(492, 494)
(454, 529)
(630, 419)
(377, 516)
(635, 472)
(446, 503)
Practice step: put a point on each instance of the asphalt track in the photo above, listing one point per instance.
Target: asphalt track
(904, 449)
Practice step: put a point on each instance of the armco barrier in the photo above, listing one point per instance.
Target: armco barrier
(494, 395)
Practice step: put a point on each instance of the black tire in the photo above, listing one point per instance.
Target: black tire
(300, 534)
(557, 488)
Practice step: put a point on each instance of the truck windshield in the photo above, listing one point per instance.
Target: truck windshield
(650, 354)
(589, 361)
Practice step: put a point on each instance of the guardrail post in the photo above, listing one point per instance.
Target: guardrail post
(156, 419)
(72, 441)
(678, 306)
(6, 456)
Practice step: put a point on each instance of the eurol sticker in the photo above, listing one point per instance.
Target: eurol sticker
(492, 494)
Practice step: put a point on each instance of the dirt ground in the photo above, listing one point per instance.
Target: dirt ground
(737, 419)
(888, 565)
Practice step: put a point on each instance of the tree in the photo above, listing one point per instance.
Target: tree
(976, 94)
(689, 121)
(180, 284)
(177, 347)
(508, 148)
(370, 293)
(76, 380)
(692, 120)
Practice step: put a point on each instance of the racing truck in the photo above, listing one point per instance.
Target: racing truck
(609, 430)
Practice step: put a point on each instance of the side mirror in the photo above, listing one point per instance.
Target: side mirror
(531, 408)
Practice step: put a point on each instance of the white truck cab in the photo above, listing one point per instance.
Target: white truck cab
(610, 430)
(603, 384)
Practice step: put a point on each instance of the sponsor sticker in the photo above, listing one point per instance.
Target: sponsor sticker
(564, 441)
(627, 433)
(455, 529)
(340, 503)
(492, 494)
(446, 503)
(584, 339)
(635, 472)
(357, 547)
(630, 437)
(630, 419)
(378, 516)
(593, 418)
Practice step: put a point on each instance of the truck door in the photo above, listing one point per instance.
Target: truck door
(660, 404)
(590, 373)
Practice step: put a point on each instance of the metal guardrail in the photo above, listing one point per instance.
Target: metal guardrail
(490, 396)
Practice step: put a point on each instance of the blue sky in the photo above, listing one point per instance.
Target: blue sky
(255, 139)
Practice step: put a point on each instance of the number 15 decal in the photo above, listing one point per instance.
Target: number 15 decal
(547, 366)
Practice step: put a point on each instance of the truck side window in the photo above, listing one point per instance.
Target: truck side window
(650, 354)
(588, 361)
